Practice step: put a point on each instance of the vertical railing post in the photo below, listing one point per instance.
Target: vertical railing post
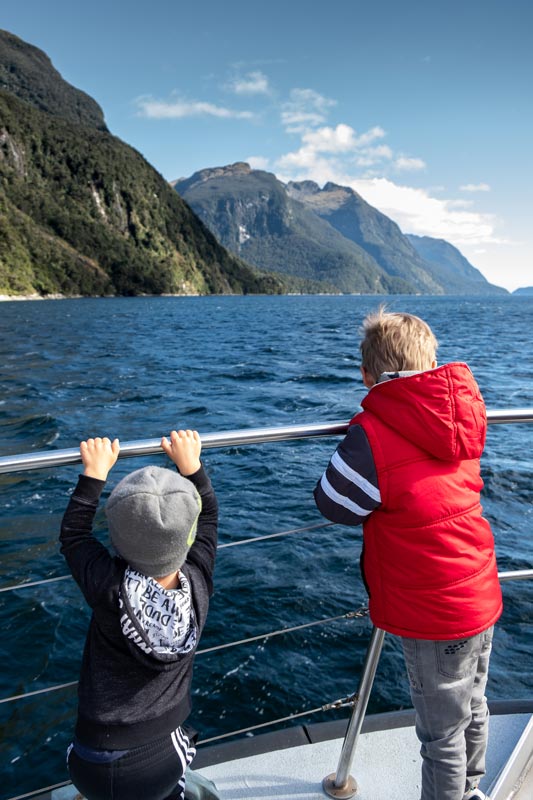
(341, 784)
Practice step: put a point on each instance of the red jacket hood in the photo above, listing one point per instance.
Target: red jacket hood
(440, 410)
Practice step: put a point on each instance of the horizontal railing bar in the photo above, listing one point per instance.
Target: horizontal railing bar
(520, 575)
(15, 586)
(146, 447)
(38, 792)
(359, 614)
(275, 535)
(264, 724)
(251, 540)
(44, 459)
(502, 415)
(44, 690)
(515, 575)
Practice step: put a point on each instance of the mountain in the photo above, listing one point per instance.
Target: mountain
(347, 212)
(330, 234)
(81, 212)
(454, 269)
(524, 290)
(254, 215)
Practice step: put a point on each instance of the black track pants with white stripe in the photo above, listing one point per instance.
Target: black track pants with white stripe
(154, 771)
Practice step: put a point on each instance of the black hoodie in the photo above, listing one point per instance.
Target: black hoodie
(137, 663)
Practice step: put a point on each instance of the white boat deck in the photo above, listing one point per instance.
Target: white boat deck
(387, 765)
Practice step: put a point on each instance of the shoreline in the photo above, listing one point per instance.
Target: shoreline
(4, 298)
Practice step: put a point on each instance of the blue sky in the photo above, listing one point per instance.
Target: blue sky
(425, 108)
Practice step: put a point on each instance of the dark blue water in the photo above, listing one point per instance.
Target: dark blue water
(136, 368)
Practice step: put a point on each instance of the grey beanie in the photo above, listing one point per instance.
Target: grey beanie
(152, 515)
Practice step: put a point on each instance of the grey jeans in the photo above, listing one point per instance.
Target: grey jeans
(448, 680)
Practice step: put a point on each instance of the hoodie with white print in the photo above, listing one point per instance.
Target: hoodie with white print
(159, 621)
(137, 663)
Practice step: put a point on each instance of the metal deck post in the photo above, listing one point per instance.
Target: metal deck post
(341, 784)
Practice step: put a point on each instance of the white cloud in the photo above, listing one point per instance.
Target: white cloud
(339, 154)
(341, 139)
(409, 164)
(416, 211)
(330, 140)
(328, 151)
(251, 83)
(370, 136)
(380, 153)
(475, 187)
(305, 109)
(258, 162)
(304, 164)
(179, 109)
(459, 203)
(322, 147)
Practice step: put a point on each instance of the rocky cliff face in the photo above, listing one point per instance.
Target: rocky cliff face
(256, 216)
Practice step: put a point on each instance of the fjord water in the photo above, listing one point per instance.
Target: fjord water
(138, 367)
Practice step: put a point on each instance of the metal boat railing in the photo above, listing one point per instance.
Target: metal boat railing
(146, 447)
(339, 784)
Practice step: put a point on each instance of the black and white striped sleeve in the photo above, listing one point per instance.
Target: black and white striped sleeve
(348, 490)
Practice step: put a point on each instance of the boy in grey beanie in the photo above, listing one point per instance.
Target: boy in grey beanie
(149, 605)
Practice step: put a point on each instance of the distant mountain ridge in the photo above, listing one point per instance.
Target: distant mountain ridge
(81, 212)
(347, 212)
(330, 234)
(451, 265)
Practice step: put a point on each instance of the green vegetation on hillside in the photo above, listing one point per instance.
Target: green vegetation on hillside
(83, 213)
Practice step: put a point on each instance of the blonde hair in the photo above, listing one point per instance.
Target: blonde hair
(394, 341)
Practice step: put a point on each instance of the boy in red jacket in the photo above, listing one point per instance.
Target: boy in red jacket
(409, 471)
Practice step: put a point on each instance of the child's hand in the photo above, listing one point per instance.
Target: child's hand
(98, 456)
(184, 449)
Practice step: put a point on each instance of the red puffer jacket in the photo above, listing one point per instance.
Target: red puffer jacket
(429, 557)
